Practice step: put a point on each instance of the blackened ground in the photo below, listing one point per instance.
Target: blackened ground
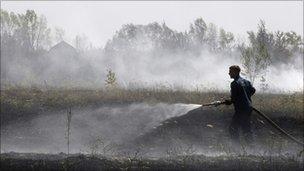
(197, 140)
(46, 162)
(205, 131)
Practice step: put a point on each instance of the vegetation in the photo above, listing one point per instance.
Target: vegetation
(256, 58)
(25, 38)
(111, 79)
(25, 102)
(68, 128)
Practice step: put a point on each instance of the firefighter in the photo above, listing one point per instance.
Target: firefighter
(241, 92)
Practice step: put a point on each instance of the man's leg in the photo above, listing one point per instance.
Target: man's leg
(246, 127)
(234, 129)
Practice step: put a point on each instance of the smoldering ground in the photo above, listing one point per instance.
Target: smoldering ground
(46, 133)
(149, 130)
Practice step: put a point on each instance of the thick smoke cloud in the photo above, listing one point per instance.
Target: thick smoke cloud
(177, 71)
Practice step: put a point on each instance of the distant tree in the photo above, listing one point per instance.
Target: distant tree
(81, 43)
(27, 32)
(9, 26)
(279, 50)
(225, 39)
(23, 37)
(9, 23)
(133, 39)
(9, 43)
(198, 31)
(294, 40)
(34, 33)
(59, 34)
(256, 57)
(168, 38)
(154, 32)
(212, 37)
(111, 81)
(43, 38)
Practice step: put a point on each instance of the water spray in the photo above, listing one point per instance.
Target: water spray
(272, 123)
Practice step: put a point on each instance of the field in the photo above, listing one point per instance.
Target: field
(195, 140)
(25, 102)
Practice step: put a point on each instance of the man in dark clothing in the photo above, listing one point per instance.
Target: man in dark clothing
(241, 92)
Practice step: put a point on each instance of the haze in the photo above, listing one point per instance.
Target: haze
(150, 43)
(100, 20)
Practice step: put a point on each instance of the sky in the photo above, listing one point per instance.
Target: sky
(99, 20)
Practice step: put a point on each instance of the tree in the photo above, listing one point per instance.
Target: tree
(294, 41)
(111, 79)
(212, 37)
(225, 39)
(256, 57)
(43, 38)
(59, 34)
(81, 43)
(279, 50)
(198, 31)
(29, 27)
(10, 45)
(9, 23)
(33, 33)
(9, 26)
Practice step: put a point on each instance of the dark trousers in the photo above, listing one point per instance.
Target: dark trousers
(241, 120)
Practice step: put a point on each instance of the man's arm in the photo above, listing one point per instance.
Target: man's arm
(251, 89)
(233, 93)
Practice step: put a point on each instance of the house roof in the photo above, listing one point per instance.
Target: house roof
(63, 49)
(62, 45)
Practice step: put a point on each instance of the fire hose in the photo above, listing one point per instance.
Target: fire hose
(271, 122)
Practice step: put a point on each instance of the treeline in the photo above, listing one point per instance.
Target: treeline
(263, 48)
(24, 34)
(155, 36)
(25, 41)
(28, 36)
(161, 38)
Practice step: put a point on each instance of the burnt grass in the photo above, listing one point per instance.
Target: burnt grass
(195, 131)
(18, 162)
(285, 109)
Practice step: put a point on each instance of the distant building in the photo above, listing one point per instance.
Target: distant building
(63, 50)
(62, 65)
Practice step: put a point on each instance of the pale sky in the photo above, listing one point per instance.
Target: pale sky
(99, 20)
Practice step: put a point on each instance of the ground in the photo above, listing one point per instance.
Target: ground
(195, 140)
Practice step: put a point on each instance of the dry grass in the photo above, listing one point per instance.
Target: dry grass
(17, 101)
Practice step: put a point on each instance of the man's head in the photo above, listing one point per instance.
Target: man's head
(234, 71)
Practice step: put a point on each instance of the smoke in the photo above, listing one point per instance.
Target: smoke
(207, 71)
(124, 127)
(286, 77)
(113, 124)
(143, 65)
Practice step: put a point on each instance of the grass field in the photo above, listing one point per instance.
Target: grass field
(24, 102)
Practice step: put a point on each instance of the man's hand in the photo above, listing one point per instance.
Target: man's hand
(227, 102)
